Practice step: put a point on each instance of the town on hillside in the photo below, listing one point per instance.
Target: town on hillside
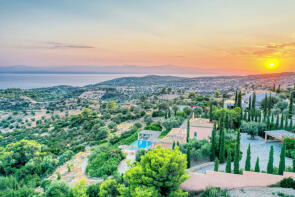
(166, 141)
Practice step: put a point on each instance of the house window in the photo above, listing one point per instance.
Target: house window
(195, 134)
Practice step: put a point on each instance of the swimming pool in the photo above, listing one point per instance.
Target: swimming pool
(141, 144)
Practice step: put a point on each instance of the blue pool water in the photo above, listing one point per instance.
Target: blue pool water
(141, 144)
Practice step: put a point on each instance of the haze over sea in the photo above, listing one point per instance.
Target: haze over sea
(27, 81)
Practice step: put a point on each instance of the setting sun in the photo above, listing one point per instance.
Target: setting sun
(272, 64)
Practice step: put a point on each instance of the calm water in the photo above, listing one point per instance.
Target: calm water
(27, 81)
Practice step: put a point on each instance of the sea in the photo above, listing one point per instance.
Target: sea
(29, 81)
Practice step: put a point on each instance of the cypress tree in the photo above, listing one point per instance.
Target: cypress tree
(268, 122)
(265, 105)
(239, 103)
(282, 122)
(291, 124)
(173, 145)
(211, 112)
(269, 105)
(249, 115)
(226, 121)
(279, 89)
(178, 144)
(254, 101)
(187, 130)
(188, 157)
(291, 106)
(256, 116)
(236, 98)
(272, 119)
(270, 161)
(221, 127)
(245, 116)
(286, 123)
(228, 163)
(250, 103)
(282, 159)
(274, 87)
(237, 154)
(248, 159)
(216, 165)
(278, 122)
(293, 163)
(221, 147)
(213, 142)
(257, 167)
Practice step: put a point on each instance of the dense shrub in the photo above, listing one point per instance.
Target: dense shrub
(253, 128)
(290, 146)
(154, 127)
(79, 148)
(104, 161)
(200, 149)
(172, 122)
(287, 183)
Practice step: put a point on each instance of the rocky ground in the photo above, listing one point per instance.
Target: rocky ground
(78, 167)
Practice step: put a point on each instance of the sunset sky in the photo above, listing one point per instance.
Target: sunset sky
(226, 36)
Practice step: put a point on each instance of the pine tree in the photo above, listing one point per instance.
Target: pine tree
(228, 163)
(187, 130)
(237, 154)
(248, 159)
(282, 159)
(211, 112)
(213, 142)
(257, 167)
(290, 114)
(216, 165)
(221, 147)
(270, 161)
